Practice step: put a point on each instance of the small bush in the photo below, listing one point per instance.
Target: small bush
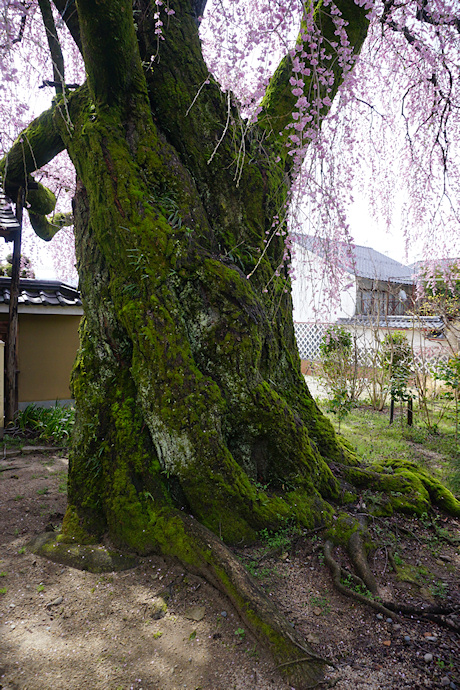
(49, 424)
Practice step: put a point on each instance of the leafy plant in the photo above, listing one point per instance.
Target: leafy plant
(280, 538)
(240, 633)
(449, 374)
(50, 424)
(339, 369)
(356, 587)
(397, 362)
(320, 602)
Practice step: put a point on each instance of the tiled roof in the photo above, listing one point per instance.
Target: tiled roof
(363, 262)
(49, 293)
(430, 323)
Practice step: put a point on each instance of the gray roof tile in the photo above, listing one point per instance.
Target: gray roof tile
(431, 323)
(50, 293)
(363, 262)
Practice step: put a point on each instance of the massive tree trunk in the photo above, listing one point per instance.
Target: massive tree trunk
(188, 385)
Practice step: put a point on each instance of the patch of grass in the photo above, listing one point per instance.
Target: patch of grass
(40, 587)
(18, 497)
(3, 574)
(3, 590)
(157, 634)
(42, 492)
(22, 550)
(320, 602)
(376, 440)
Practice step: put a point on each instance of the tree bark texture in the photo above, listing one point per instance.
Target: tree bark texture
(188, 384)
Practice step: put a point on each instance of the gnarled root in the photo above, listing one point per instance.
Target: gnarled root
(203, 553)
(388, 608)
(335, 569)
(294, 656)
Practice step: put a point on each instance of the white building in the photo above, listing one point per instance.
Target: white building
(370, 293)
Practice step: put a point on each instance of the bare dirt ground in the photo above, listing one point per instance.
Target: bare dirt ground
(67, 629)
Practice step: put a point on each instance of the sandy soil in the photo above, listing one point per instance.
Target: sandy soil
(64, 628)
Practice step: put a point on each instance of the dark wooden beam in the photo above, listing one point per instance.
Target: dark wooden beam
(11, 392)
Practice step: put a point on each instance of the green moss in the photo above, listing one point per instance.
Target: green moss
(429, 487)
(341, 529)
(73, 529)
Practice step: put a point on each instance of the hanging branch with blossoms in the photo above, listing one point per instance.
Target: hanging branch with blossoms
(374, 137)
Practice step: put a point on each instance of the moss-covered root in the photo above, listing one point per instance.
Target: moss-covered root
(213, 560)
(92, 557)
(408, 487)
(202, 552)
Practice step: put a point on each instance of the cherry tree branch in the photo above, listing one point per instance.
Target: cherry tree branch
(305, 83)
(69, 15)
(54, 45)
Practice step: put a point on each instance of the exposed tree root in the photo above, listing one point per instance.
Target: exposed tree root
(292, 653)
(391, 609)
(359, 560)
(335, 569)
(207, 556)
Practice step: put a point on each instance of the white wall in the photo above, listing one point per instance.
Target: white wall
(314, 297)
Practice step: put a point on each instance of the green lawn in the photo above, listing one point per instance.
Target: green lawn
(370, 433)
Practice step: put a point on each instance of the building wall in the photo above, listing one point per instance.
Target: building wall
(47, 346)
(313, 298)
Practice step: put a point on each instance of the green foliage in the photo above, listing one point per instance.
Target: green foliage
(442, 291)
(396, 358)
(25, 269)
(449, 374)
(240, 633)
(320, 602)
(339, 366)
(279, 539)
(356, 587)
(49, 424)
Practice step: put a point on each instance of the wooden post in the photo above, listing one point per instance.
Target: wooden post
(410, 412)
(11, 359)
(392, 410)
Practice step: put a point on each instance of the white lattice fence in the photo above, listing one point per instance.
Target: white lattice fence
(309, 337)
